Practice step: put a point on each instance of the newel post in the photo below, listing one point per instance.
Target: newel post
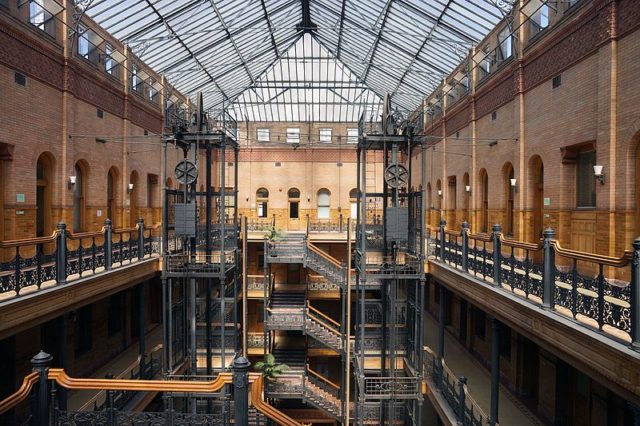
(465, 245)
(443, 223)
(241, 390)
(40, 364)
(549, 266)
(497, 255)
(141, 239)
(61, 254)
(108, 245)
(462, 381)
(635, 294)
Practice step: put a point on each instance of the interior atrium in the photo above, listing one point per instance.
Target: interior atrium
(320, 212)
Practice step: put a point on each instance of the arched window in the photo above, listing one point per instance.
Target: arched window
(294, 203)
(133, 198)
(262, 200)
(509, 196)
(324, 204)
(484, 201)
(353, 200)
(44, 183)
(79, 193)
(112, 187)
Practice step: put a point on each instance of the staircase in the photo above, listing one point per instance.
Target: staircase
(288, 250)
(325, 265)
(287, 300)
(322, 394)
(323, 329)
(294, 357)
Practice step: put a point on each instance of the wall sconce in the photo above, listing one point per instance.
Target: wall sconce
(130, 188)
(247, 199)
(467, 188)
(439, 192)
(597, 171)
(513, 182)
(72, 180)
(308, 199)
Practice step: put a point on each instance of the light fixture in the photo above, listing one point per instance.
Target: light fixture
(597, 171)
(439, 192)
(308, 199)
(247, 199)
(513, 182)
(467, 188)
(130, 188)
(72, 180)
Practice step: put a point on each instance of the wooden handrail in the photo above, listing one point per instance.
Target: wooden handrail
(257, 400)
(326, 256)
(592, 257)
(324, 379)
(29, 241)
(21, 394)
(331, 320)
(62, 379)
(520, 244)
(481, 237)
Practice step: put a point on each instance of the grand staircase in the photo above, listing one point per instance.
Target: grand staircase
(320, 393)
(322, 328)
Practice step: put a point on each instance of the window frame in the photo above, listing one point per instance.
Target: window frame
(352, 135)
(588, 171)
(260, 131)
(291, 132)
(323, 137)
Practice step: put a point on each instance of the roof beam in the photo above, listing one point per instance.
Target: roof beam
(183, 44)
(306, 25)
(218, 42)
(373, 49)
(344, 3)
(232, 40)
(130, 37)
(268, 19)
(438, 21)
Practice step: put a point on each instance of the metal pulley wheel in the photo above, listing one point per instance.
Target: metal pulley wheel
(186, 172)
(396, 175)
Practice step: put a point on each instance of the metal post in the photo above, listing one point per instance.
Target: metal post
(462, 381)
(635, 294)
(140, 239)
(108, 245)
(141, 329)
(62, 358)
(441, 330)
(192, 326)
(548, 281)
(61, 254)
(495, 370)
(208, 200)
(166, 306)
(497, 255)
(40, 364)
(241, 390)
(443, 223)
(465, 245)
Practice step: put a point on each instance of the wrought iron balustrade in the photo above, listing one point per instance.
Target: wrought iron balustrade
(30, 264)
(320, 283)
(42, 386)
(391, 387)
(454, 390)
(327, 225)
(255, 340)
(285, 318)
(257, 282)
(598, 291)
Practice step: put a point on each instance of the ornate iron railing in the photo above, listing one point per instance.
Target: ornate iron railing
(320, 283)
(44, 382)
(391, 387)
(454, 390)
(29, 264)
(598, 291)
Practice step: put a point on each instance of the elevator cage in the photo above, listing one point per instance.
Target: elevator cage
(202, 271)
(390, 252)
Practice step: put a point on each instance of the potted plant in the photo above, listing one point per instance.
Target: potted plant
(269, 368)
(274, 234)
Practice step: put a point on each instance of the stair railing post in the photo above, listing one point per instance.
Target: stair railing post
(443, 223)
(340, 222)
(548, 271)
(40, 364)
(141, 239)
(241, 390)
(108, 245)
(465, 245)
(497, 255)
(635, 294)
(462, 381)
(61, 254)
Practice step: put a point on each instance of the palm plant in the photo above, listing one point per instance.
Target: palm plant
(274, 234)
(269, 368)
